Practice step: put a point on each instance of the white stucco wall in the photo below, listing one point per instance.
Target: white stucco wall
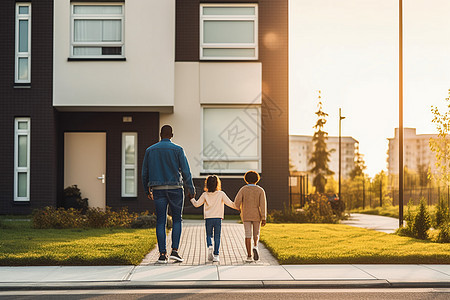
(144, 81)
(230, 83)
(220, 84)
(186, 117)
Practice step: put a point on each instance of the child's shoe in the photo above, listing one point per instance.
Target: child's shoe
(210, 253)
(216, 258)
(255, 253)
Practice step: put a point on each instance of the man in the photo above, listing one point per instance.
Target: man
(164, 170)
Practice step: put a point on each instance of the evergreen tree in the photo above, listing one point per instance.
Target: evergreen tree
(320, 156)
(360, 165)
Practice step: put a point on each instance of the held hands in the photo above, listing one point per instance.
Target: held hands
(263, 223)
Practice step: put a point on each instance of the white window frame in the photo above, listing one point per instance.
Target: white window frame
(231, 158)
(129, 166)
(21, 132)
(21, 17)
(74, 17)
(253, 18)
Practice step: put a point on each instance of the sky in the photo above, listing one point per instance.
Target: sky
(348, 49)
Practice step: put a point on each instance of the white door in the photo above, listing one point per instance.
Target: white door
(85, 165)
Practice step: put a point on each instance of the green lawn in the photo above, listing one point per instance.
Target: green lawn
(21, 245)
(342, 244)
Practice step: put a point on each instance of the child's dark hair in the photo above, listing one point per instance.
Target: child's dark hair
(212, 184)
(251, 177)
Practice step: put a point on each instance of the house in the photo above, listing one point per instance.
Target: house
(86, 86)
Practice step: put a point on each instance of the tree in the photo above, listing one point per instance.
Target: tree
(360, 165)
(379, 188)
(320, 156)
(441, 145)
(423, 171)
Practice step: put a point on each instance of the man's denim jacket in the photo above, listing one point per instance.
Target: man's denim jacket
(166, 164)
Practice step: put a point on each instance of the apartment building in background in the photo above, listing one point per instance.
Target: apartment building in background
(301, 148)
(417, 155)
(86, 85)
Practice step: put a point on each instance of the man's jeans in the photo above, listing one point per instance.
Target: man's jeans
(163, 198)
(216, 224)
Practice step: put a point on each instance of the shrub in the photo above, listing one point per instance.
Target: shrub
(121, 218)
(97, 218)
(422, 221)
(145, 221)
(287, 216)
(318, 210)
(442, 214)
(444, 233)
(50, 217)
(73, 199)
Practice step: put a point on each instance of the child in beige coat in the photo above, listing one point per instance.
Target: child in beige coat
(251, 200)
(213, 201)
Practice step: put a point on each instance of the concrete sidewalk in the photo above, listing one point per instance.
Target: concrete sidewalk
(374, 222)
(213, 276)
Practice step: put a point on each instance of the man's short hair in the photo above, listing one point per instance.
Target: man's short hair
(166, 130)
(251, 177)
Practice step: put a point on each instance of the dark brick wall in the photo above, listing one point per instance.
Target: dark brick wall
(273, 46)
(273, 54)
(147, 127)
(35, 102)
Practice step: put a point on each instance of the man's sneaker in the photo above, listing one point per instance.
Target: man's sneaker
(216, 258)
(162, 259)
(210, 253)
(174, 255)
(249, 259)
(255, 253)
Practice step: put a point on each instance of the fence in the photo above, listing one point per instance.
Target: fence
(368, 195)
(298, 190)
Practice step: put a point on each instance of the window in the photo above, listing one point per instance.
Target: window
(231, 140)
(23, 43)
(22, 159)
(97, 31)
(129, 164)
(229, 31)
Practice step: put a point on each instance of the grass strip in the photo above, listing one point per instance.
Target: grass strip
(342, 244)
(20, 246)
(388, 211)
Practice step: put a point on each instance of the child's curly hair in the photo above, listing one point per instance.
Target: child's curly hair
(251, 177)
(212, 184)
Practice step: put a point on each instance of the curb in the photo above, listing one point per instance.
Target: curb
(218, 284)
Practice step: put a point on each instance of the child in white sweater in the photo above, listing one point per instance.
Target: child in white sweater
(213, 200)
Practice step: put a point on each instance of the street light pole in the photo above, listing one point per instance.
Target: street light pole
(340, 119)
(400, 110)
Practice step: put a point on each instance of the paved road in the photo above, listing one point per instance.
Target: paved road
(378, 223)
(235, 294)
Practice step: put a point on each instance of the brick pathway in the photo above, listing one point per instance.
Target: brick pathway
(193, 246)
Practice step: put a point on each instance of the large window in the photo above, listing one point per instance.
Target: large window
(22, 159)
(97, 31)
(23, 43)
(229, 32)
(231, 139)
(129, 164)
